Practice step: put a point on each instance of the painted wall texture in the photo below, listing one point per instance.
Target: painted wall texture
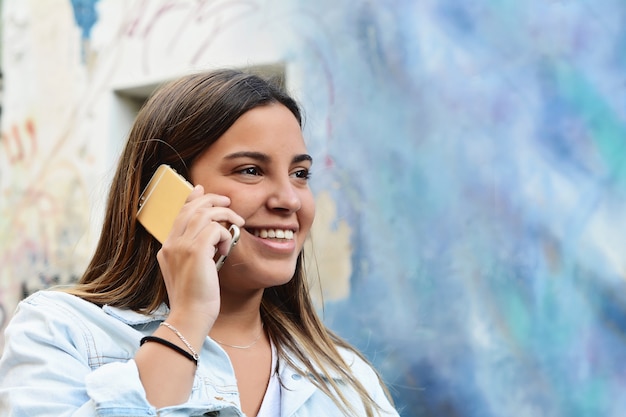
(470, 174)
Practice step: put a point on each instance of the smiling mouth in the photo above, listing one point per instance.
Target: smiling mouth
(285, 234)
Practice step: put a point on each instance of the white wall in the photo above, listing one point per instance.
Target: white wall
(70, 99)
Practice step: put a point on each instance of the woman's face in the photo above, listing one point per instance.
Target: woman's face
(262, 165)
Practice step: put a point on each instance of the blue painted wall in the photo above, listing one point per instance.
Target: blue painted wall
(478, 149)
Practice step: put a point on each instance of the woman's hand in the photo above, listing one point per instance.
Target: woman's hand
(187, 257)
(190, 275)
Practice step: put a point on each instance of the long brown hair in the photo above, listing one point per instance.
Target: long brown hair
(175, 126)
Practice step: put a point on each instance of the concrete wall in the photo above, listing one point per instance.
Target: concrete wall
(470, 173)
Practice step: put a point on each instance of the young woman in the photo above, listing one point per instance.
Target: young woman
(152, 329)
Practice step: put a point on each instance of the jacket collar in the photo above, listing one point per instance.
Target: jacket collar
(298, 384)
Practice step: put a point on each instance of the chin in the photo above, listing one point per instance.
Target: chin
(283, 281)
(273, 279)
(260, 276)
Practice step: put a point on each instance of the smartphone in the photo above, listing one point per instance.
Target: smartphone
(161, 201)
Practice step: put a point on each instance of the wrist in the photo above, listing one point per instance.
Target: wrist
(193, 327)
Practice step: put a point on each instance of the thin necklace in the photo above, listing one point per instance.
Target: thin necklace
(243, 346)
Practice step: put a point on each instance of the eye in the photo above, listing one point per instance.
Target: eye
(250, 170)
(303, 174)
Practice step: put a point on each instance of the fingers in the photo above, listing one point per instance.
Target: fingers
(187, 258)
(199, 211)
(203, 217)
(209, 226)
(199, 198)
(198, 191)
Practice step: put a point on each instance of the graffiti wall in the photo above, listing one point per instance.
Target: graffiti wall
(470, 174)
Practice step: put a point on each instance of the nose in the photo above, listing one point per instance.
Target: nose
(284, 197)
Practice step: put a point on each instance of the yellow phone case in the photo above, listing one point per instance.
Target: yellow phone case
(161, 201)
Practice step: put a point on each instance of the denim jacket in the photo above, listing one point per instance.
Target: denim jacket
(65, 356)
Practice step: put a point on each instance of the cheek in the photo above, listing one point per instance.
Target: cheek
(244, 203)
(307, 212)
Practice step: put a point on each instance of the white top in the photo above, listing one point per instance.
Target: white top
(270, 407)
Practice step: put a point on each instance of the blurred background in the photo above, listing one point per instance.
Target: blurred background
(470, 174)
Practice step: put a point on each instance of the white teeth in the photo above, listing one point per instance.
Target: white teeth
(274, 234)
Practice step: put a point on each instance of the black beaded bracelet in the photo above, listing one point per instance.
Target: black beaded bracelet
(169, 345)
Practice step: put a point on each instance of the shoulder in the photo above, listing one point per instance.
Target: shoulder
(62, 311)
(51, 312)
(51, 322)
(45, 323)
(358, 365)
(53, 300)
(57, 304)
(359, 368)
(51, 297)
(365, 373)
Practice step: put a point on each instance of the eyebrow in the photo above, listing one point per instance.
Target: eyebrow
(261, 157)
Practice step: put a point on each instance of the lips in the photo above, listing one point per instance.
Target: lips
(285, 234)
